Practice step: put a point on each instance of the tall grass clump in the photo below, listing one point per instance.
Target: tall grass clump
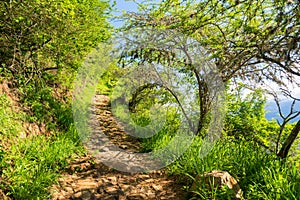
(260, 175)
(29, 166)
(36, 162)
(10, 123)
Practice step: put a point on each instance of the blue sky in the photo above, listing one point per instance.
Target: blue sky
(122, 5)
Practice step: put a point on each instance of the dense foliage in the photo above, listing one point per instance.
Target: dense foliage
(254, 42)
(43, 43)
(41, 38)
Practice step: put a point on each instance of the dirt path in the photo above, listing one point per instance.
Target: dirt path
(87, 178)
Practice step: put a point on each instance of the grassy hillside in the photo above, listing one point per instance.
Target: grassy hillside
(31, 158)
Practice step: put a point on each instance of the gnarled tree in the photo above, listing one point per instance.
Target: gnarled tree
(254, 41)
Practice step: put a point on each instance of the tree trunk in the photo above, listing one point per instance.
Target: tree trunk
(289, 141)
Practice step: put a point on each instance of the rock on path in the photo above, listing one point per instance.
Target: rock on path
(88, 179)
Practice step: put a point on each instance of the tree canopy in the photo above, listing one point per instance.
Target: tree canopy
(38, 37)
(256, 42)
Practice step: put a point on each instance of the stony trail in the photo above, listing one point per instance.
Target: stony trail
(88, 179)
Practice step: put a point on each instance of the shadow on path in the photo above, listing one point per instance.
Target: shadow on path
(88, 179)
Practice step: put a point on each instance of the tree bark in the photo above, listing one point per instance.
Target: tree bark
(289, 141)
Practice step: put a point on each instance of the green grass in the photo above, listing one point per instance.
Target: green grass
(36, 162)
(10, 123)
(29, 166)
(261, 176)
